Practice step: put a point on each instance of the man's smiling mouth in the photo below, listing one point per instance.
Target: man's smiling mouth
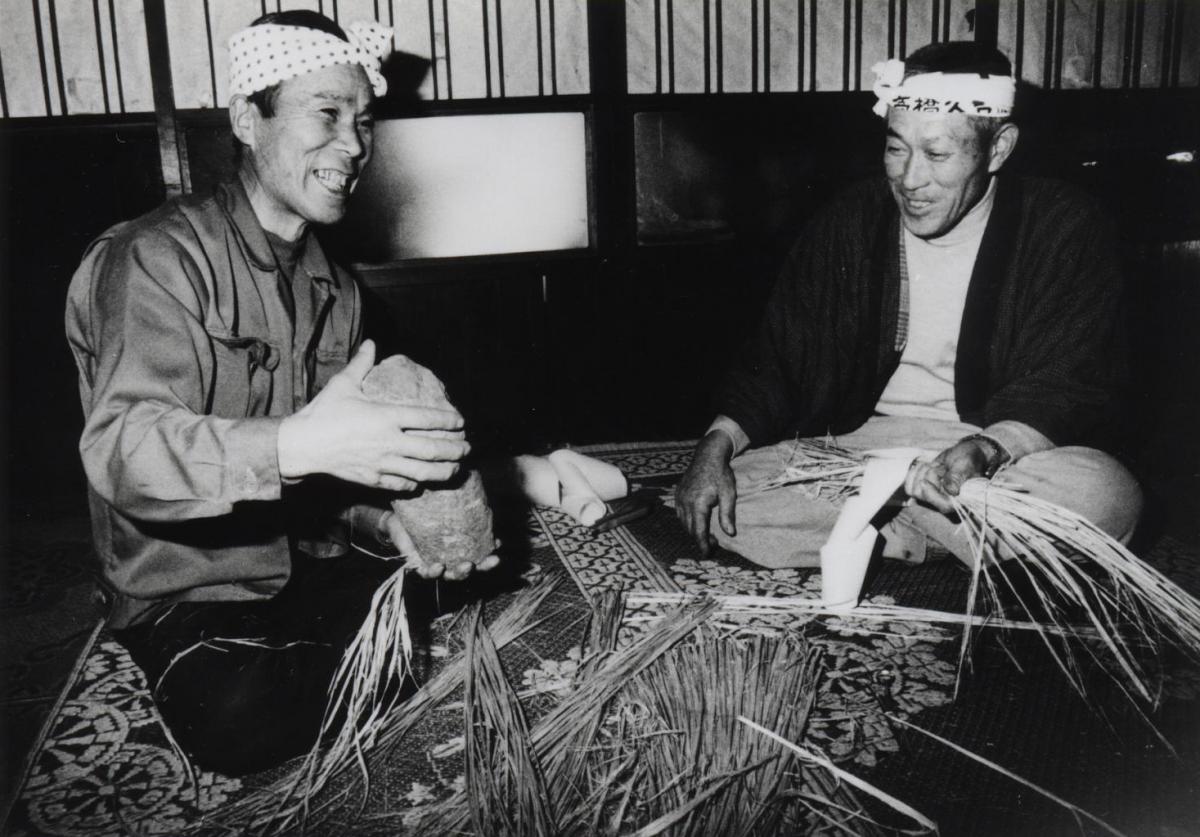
(335, 181)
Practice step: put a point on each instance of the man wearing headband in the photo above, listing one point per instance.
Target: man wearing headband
(227, 443)
(947, 307)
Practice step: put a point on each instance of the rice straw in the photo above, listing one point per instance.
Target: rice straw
(850, 778)
(285, 803)
(1136, 609)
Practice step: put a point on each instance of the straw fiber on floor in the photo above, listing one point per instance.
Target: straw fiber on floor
(103, 765)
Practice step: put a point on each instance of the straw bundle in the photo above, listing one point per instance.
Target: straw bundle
(822, 468)
(296, 798)
(649, 740)
(1131, 607)
(1082, 583)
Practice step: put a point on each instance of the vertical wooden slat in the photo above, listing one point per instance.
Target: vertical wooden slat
(1127, 51)
(553, 49)
(41, 48)
(1048, 48)
(753, 46)
(112, 25)
(720, 49)
(1139, 30)
(3, 92)
(812, 45)
(1060, 24)
(846, 44)
(58, 64)
(707, 47)
(670, 46)
(1177, 42)
(800, 47)
(1168, 39)
(172, 156)
(658, 50)
(499, 44)
(1019, 58)
(99, 56)
(433, 50)
(1098, 47)
(537, 6)
(487, 50)
(766, 46)
(891, 29)
(935, 8)
(945, 20)
(212, 61)
(858, 43)
(903, 51)
(987, 22)
(446, 46)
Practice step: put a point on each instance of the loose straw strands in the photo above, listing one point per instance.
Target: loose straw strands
(1132, 607)
(511, 800)
(822, 468)
(1129, 609)
(647, 743)
(770, 607)
(287, 802)
(559, 740)
(850, 778)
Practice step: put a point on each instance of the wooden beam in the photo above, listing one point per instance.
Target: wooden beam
(172, 150)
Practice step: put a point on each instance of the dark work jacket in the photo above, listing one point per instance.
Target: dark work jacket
(1041, 342)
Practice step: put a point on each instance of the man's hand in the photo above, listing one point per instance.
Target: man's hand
(393, 531)
(936, 482)
(708, 482)
(389, 446)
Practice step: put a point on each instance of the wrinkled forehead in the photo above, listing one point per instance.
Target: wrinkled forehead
(345, 84)
(915, 127)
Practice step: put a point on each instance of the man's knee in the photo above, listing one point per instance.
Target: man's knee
(238, 722)
(1086, 481)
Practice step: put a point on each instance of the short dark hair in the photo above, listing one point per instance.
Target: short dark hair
(958, 57)
(265, 99)
(963, 57)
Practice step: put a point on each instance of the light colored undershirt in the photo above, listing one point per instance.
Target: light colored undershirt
(939, 273)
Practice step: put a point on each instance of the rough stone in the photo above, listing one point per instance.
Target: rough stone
(448, 522)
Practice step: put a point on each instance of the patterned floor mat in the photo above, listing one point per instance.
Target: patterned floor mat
(104, 764)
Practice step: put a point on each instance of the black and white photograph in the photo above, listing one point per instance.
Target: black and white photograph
(600, 418)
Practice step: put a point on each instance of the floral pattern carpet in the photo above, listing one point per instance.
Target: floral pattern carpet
(104, 764)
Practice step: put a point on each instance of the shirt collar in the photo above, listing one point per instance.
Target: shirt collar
(232, 196)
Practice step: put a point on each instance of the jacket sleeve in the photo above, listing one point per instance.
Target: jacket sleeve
(781, 380)
(149, 448)
(1067, 363)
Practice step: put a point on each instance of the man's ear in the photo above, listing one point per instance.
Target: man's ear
(243, 119)
(1003, 143)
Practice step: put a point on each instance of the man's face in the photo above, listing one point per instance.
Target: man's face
(936, 167)
(307, 157)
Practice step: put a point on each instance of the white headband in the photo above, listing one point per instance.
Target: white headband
(263, 55)
(971, 94)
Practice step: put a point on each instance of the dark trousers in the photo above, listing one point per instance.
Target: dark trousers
(243, 686)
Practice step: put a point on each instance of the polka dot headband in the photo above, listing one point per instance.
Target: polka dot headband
(264, 55)
(971, 94)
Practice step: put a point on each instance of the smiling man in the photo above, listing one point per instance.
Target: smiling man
(227, 444)
(947, 307)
